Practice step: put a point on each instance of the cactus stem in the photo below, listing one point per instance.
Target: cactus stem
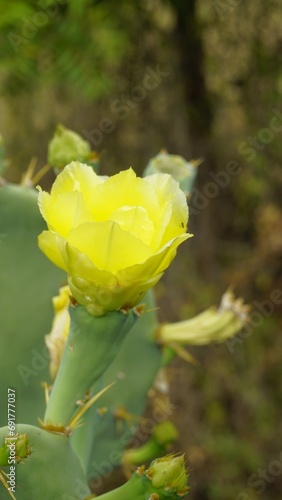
(166, 478)
(92, 345)
(75, 421)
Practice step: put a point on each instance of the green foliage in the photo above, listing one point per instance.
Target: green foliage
(44, 42)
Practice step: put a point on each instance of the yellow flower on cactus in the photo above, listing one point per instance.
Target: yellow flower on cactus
(114, 236)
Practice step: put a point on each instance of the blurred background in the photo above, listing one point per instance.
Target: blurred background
(201, 79)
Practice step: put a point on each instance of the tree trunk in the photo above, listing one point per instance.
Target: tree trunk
(200, 118)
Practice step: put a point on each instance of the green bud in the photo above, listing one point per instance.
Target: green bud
(169, 473)
(20, 445)
(165, 479)
(182, 171)
(67, 146)
(165, 433)
(23, 448)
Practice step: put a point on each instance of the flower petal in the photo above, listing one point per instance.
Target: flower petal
(63, 212)
(77, 177)
(53, 246)
(123, 189)
(155, 265)
(119, 249)
(173, 207)
(79, 264)
(136, 221)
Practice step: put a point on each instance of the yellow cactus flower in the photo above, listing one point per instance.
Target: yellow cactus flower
(113, 236)
(56, 339)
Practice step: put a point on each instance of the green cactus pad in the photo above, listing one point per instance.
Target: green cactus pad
(27, 283)
(51, 471)
(92, 344)
(134, 368)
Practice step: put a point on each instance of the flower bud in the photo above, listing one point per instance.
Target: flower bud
(181, 170)
(19, 444)
(165, 479)
(165, 433)
(67, 146)
(56, 339)
(169, 473)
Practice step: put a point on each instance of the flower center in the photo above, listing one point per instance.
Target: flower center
(136, 221)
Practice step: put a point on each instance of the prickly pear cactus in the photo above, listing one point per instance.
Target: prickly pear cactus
(27, 283)
(100, 334)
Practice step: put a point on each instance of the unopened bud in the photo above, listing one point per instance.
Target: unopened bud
(67, 146)
(169, 473)
(181, 170)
